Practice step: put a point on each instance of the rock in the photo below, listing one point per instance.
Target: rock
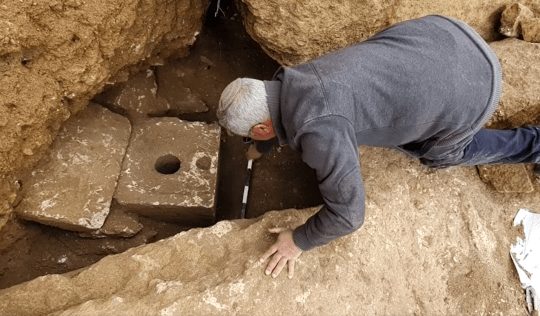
(531, 30)
(137, 97)
(180, 99)
(207, 61)
(520, 100)
(57, 55)
(507, 178)
(170, 171)
(435, 242)
(294, 32)
(73, 187)
(119, 224)
(512, 18)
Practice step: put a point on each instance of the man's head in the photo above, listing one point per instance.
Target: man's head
(243, 108)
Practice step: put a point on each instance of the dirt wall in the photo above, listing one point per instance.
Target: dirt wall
(292, 32)
(56, 55)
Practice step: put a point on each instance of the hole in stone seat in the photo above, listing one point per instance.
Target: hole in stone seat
(167, 164)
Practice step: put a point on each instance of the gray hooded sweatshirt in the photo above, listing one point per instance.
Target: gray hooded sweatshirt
(423, 86)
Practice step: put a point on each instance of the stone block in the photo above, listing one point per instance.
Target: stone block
(507, 178)
(512, 18)
(141, 96)
(170, 171)
(137, 97)
(72, 187)
(179, 98)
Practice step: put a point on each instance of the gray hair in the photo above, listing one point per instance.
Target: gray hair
(243, 105)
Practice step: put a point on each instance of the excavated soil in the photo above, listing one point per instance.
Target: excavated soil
(280, 180)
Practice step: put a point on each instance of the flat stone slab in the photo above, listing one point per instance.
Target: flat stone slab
(72, 188)
(170, 171)
(507, 178)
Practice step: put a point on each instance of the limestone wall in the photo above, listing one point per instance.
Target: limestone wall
(292, 32)
(56, 55)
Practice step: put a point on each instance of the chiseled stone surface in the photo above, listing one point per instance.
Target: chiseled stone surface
(72, 188)
(150, 185)
(434, 242)
(507, 178)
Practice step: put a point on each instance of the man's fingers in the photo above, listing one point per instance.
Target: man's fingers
(279, 267)
(276, 230)
(283, 252)
(275, 260)
(268, 253)
(291, 268)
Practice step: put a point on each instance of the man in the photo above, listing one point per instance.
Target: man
(425, 87)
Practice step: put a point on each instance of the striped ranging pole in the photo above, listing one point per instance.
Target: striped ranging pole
(246, 189)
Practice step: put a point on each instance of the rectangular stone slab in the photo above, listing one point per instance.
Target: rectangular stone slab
(72, 188)
(170, 171)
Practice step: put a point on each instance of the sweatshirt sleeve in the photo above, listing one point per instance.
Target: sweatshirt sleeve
(328, 145)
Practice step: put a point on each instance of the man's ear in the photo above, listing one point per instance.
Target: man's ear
(260, 129)
(263, 131)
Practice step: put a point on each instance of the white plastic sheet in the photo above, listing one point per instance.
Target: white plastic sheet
(526, 252)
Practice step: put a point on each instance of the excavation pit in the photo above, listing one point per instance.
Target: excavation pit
(280, 179)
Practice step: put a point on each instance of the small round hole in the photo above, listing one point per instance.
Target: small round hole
(204, 163)
(167, 164)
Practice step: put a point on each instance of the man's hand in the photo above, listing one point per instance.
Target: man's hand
(284, 251)
(252, 153)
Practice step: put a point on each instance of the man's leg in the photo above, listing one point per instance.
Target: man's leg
(520, 145)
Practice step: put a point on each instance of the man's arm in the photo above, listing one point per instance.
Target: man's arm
(330, 148)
